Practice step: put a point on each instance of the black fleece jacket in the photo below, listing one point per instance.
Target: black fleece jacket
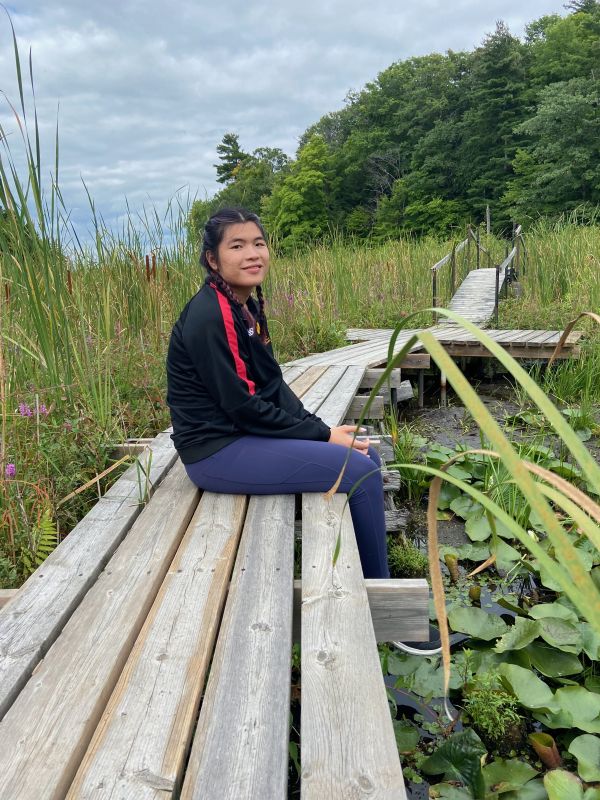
(223, 382)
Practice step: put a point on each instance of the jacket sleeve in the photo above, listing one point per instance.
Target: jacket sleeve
(216, 354)
(294, 402)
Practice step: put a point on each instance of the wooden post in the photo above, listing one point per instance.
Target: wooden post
(434, 292)
(421, 384)
(477, 240)
(517, 267)
(496, 295)
(469, 234)
(453, 269)
(488, 221)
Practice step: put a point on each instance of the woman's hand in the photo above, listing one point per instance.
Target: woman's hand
(343, 435)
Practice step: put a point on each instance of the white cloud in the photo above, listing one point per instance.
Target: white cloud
(147, 90)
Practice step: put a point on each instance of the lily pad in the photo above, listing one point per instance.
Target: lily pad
(582, 706)
(507, 776)
(476, 622)
(475, 551)
(563, 785)
(591, 641)
(556, 610)
(478, 527)
(561, 634)
(529, 690)
(448, 493)
(463, 506)
(586, 750)
(551, 662)
(534, 790)
(522, 633)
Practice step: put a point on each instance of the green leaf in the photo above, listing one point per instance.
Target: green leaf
(529, 690)
(534, 790)
(556, 610)
(407, 736)
(464, 506)
(448, 791)
(506, 556)
(459, 757)
(551, 662)
(522, 633)
(476, 622)
(561, 634)
(448, 493)
(582, 706)
(478, 527)
(507, 776)
(586, 749)
(477, 551)
(562, 785)
(591, 641)
(402, 663)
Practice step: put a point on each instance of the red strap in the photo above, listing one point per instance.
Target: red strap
(240, 366)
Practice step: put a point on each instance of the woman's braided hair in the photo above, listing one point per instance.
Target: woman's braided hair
(214, 231)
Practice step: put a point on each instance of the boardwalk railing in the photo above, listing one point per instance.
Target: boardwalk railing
(450, 258)
(508, 270)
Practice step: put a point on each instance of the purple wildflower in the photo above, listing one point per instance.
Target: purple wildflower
(10, 471)
(68, 427)
(43, 409)
(25, 410)
(290, 299)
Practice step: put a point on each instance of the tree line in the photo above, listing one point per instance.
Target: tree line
(513, 124)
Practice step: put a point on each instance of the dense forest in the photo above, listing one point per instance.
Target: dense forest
(514, 124)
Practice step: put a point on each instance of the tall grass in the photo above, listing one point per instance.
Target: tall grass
(84, 328)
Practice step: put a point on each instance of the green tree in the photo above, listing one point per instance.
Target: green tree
(560, 167)
(497, 87)
(231, 156)
(569, 47)
(297, 210)
(252, 183)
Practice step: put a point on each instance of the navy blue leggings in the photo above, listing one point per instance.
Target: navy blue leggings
(261, 465)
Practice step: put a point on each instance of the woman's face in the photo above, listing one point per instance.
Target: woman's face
(242, 258)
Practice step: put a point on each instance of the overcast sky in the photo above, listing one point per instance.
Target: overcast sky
(147, 89)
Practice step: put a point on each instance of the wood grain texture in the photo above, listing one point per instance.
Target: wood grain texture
(399, 609)
(139, 748)
(240, 749)
(348, 748)
(309, 377)
(47, 730)
(6, 595)
(35, 617)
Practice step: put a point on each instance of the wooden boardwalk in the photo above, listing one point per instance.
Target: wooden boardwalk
(474, 299)
(522, 344)
(105, 650)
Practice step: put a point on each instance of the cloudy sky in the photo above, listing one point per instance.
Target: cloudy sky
(145, 90)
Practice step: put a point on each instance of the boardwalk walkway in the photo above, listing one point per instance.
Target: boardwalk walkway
(475, 298)
(105, 650)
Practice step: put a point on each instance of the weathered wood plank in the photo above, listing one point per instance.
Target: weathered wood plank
(139, 748)
(334, 408)
(371, 376)
(47, 730)
(320, 391)
(6, 595)
(240, 749)
(348, 749)
(358, 404)
(308, 378)
(35, 617)
(399, 609)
